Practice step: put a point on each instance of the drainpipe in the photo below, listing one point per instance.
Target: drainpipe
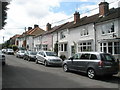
(95, 36)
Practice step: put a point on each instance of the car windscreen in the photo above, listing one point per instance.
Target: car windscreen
(107, 57)
(51, 54)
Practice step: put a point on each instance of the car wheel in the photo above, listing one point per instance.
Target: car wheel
(45, 63)
(29, 59)
(36, 61)
(24, 58)
(65, 68)
(91, 73)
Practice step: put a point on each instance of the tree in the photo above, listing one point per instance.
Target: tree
(4, 13)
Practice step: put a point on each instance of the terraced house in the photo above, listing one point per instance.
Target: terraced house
(99, 32)
(26, 39)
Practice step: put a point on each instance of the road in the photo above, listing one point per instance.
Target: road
(19, 73)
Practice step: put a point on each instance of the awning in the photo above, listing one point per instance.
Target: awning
(63, 41)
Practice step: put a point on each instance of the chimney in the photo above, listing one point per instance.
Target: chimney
(76, 17)
(48, 27)
(29, 28)
(35, 26)
(103, 8)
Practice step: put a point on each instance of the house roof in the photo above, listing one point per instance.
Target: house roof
(33, 32)
(15, 36)
(113, 14)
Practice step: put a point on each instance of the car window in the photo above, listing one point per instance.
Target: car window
(107, 57)
(42, 53)
(85, 56)
(76, 56)
(51, 54)
(93, 57)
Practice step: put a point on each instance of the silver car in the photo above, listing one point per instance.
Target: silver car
(92, 63)
(2, 58)
(48, 58)
(20, 53)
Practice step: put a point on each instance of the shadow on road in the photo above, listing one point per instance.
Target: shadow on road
(111, 79)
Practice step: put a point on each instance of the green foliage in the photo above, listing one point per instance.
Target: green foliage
(14, 47)
(63, 57)
(4, 13)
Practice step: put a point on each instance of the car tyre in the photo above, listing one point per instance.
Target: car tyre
(65, 68)
(91, 73)
(45, 63)
(28, 58)
(36, 61)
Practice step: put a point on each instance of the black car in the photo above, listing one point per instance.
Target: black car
(30, 55)
(92, 63)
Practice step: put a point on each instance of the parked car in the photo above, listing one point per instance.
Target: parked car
(92, 63)
(20, 54)
(48, 58)
(2, 58)
(10, 51)
(30, 55)
(4, 50)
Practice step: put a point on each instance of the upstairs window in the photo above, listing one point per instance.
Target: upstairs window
(62, 35)
(108, 28)
(84, 32)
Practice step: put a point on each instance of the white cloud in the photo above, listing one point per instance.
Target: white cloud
(25, 13)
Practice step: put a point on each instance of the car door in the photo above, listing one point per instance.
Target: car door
(39, 56)
(73, 61)
(83, 62)
(42, 57)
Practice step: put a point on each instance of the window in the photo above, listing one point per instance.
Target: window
(117, 47)
(85, 56)
(62, 35)
(76, 56)
(108, 28)
(84, 32)
(86, 46)
(110, 47)
(93, 57)
(63, 47)
(45, 47)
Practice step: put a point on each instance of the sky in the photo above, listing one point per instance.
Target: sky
(26, 13)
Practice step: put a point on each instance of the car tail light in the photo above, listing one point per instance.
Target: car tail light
(100, 63)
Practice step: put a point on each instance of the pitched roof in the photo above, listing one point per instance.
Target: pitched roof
(113, 14)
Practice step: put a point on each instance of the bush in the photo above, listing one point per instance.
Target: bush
(63, 57)
(15, 47)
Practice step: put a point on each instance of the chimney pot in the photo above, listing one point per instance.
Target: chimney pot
(76, 17)
(48, 26)
(103, 8)
(35, 26)
(29, 28)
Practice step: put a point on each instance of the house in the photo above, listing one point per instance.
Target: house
(13, 39)
(26, 39)
(44, 41)
(99, 32)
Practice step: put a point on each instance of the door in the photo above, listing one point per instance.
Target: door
(74, 61)
(83, 62)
